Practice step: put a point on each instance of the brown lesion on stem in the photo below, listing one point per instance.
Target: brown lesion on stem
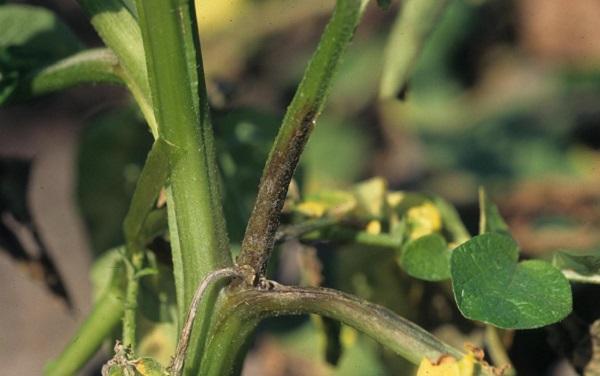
(261, 231)
(398, 334)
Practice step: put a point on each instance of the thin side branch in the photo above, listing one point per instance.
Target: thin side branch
(497, 351)
(295, 130)
(386, 327)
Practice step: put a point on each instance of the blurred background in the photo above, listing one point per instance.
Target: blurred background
(506, 95)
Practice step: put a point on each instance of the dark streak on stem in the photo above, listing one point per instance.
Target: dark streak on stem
(264, 222)
(400, 335)
(297, 125)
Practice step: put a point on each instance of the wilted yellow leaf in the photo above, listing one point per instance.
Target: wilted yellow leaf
(313, 209)
(446, 366)
(469, 365)
(423, 220)
(371, 196)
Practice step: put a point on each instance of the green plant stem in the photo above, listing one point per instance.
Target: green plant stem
(497, 351)
(152, 179)
(298, 123)
(296, 231)
(130, 306)
(401, 336)
(331, 229)
(413, 25)
(341, 234)
(196, 222)
(100, 323)
(120, 32)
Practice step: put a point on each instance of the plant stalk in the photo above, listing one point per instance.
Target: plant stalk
(196, 222)
(400, 335)
(497, 351)
(152, 179)
(298, 123)
(100, 323)
(130, 306)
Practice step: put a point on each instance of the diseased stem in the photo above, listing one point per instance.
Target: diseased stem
(298, 123)
(400, 335)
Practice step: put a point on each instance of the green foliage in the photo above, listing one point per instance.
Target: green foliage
(108, 271)
(427, 257)
(490, 285)
(153, 48)
(152, 179)
(31, 38)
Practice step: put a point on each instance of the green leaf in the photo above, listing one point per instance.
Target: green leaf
(427, 257)
(151, 180)
(31, 38)
(108, 271)
(490, 219)
(491, 286)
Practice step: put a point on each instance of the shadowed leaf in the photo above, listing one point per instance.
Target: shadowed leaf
(31, 38)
